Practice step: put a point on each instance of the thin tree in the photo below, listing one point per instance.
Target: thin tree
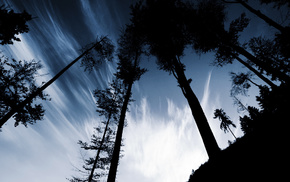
(129, 55)
(259, 14)
(162, 24)
(109, 104)
(104, 50)
(17, 82)
(207, 33)
(225, 121)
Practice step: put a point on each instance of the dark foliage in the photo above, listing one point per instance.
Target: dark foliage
(103, 51)
(128, 71)
(12, 24)
(241, 82)
(164, 26)
(109, 103)
(224, 118)
(16, 84)
(269, 52)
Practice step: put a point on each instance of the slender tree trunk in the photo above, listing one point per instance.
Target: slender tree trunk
(118, 140)
(253, 59)
(207, 136)
(99, 150)
(33, 95)
(266, 80)
(232, 132)
(262, 16)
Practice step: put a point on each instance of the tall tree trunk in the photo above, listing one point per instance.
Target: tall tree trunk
(118, 140)
(99, 150)
(262, 16)
(266, 80)
(207, 136)
(259, 63)
(33, 95)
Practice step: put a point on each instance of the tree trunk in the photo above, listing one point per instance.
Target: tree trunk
(266, 80)
(207, 136)
(232, 132)
(33, 95)
(262, 16)
(100, 148)
(118, 140)
(253, 59)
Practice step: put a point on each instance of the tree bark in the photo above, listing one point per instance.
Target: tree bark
(207, 136)
(33, 95)
(100, 148)
(118, 140)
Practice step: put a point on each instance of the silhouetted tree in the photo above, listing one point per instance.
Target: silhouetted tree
(109, 102)
(241, 106)
(103, 50)
(17, 82)
(259, 14)
(162, 24)
(128, 70)
(241, 83)
(249, 123)
(12, 24)
(225, 43)
(225, 121)
(269, 52)
(95, 168)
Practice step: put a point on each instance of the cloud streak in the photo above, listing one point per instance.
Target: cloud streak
(159, 148)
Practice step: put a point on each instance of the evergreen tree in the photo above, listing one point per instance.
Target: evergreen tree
(225, 121)
(103, 49)
(162, 24)
(129, 55)
(241, 83)
(17, 82)
(109, 104)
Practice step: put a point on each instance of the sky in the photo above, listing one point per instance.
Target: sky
(161, 140)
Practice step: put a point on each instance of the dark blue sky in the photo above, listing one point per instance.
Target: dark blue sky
(161, 140)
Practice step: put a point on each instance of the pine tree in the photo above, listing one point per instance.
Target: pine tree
(17, 82)
(103, 49)
(162, 24)
(109, 103)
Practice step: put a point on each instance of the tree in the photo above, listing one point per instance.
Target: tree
(162, 24)
(103, 49)
(261, 15)
(225, 121)
(17, 82)
(109, 104)
(129, 55)
(12, 24)
(241, 83)
(224, 43)
(269, 52)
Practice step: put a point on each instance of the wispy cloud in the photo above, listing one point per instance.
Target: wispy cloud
(160, 148)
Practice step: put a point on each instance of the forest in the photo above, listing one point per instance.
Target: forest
(162, 31)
